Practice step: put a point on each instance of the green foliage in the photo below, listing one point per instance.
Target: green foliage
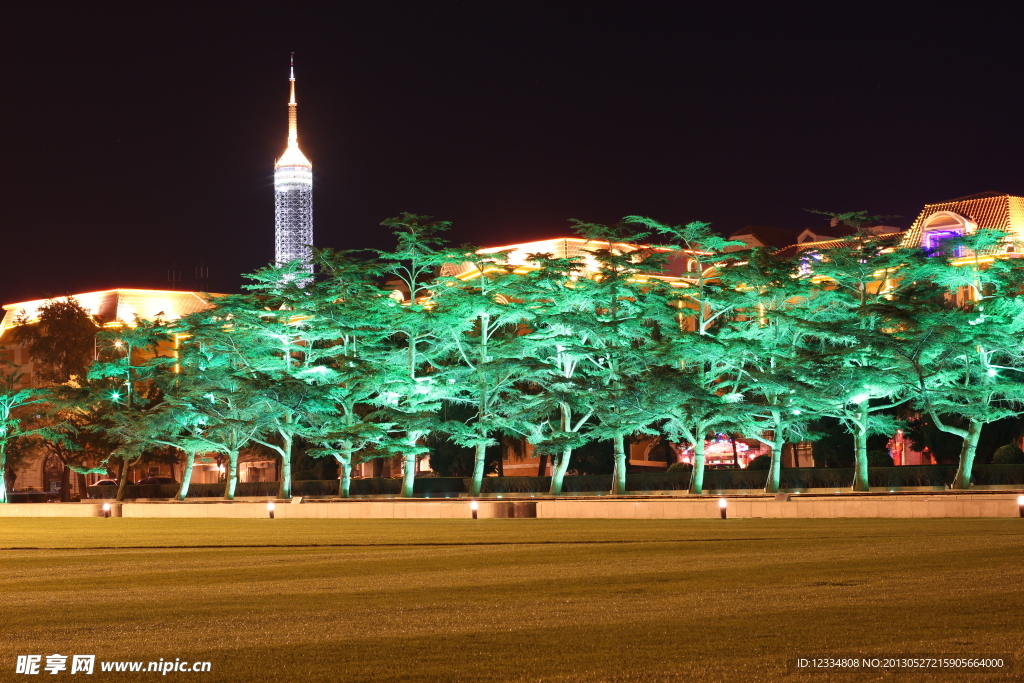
(922, 433)
(595, 457)
(761, 462)
(879, 457)
(60, 342)
(998, 433)
(18, 406)
(390, 354)
(1010, 454)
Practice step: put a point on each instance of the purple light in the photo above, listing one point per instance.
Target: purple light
(933, 239)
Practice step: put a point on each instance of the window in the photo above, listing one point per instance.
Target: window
(941, 227)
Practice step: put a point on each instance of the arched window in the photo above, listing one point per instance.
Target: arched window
(942, 226)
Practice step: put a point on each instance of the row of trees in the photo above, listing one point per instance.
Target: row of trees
(359, 360)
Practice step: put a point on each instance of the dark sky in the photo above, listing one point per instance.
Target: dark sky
(143, 135)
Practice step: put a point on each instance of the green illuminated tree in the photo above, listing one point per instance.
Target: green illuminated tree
(694, 389)
(413, 382)
(765, 340)
(276, 337)
(863, 301)
(968, 351)
(70, 415)
(347, 301)
(485, 348)
(124, 384)
(619, 323)
(211, 404)
(557, 398)
(61, 343)
(16, 421)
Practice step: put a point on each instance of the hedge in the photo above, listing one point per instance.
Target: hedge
(714, 480)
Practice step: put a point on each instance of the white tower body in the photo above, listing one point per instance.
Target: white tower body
(293, 197)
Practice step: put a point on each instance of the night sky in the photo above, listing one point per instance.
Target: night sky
(143, 136)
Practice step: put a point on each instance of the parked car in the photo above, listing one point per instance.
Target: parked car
(107, 482)
(158, 480)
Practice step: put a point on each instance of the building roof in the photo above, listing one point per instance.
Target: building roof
(114, 305)
(569, 247)
(997, 210)
(767, 236)
(893, 238)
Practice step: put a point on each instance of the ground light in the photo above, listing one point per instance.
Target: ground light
(723, 506)
(1020, 505)
(106, 509)
(270, 509)
(474, 506)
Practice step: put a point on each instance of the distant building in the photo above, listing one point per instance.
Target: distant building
(109, 308)
(762, 236)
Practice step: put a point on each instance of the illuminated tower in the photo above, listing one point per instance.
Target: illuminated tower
(293, 195)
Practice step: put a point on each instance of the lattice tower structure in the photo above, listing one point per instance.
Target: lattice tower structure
(293, 196)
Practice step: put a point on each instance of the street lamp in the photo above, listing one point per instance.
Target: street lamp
(474, 506)
(270, 509)
(723, 506)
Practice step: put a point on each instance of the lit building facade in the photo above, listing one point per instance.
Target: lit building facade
(293, 196)
(111, 308)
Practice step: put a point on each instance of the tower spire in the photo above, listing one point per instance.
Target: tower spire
(293, 194)
(293, 123)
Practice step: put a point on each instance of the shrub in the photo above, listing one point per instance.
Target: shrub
(680, 467)
(761, 462)
(1010, 454)
(879, 457)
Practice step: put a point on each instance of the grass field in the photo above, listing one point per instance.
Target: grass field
(510, 600)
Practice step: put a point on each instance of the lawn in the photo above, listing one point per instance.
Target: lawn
(510, 600)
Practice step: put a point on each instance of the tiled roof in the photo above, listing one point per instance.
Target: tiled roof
(771, 237)
(986, 209)
(824, 245)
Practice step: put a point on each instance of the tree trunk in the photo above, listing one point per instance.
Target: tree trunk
(775, 469)
(860, 456)
(232, 476)
(345, 481)
(82, 493)
(967, 451)
(65, 485)
(186, 476)
(3, 471)
(408, 474)
(558, 471)
(697, 478)
(777, 446)
(122, 484)
(542, 466)
(285, 491)
(619, 475)
(478, 470)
